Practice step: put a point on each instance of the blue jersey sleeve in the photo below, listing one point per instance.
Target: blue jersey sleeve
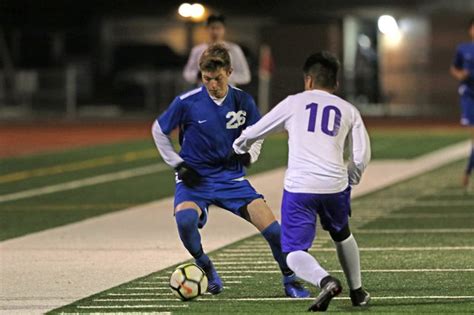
(253, 115)
(458, 61)
(172, 117)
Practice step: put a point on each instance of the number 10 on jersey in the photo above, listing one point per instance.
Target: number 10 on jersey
(329, 112)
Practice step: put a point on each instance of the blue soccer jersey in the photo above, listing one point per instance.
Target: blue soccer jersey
(464, 59)
(207, 130)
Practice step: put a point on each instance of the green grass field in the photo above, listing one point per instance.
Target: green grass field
(22, 176)
(416, 238)
(417, 256)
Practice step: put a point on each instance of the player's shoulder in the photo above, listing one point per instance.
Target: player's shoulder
(322, 96)
(231, 45)
(200, 47)
(191, 94)
(241, 93)
(466, 46)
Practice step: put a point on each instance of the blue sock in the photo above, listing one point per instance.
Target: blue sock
(470, 164)
(187, 221)
(272, 235)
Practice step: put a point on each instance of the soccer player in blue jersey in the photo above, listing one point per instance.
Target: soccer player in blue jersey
(462, 70)
(210, 118)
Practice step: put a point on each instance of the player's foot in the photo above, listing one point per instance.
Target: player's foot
(330, 287)
(293, 288)
(359, 297)
(214, 282)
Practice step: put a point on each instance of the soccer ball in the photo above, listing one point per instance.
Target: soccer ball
(188, 281)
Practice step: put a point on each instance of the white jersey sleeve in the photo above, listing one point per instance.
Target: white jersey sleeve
(272, 122)
(360, 151)
(164, 146)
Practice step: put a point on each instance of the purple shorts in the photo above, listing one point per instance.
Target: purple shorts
(298, 217)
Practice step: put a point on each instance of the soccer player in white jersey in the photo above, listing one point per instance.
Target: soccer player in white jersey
(216, 29)
(317, 181)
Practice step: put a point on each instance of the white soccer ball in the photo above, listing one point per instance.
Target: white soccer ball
(188, 281)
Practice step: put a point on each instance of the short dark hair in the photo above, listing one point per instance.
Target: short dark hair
(471, 22)
(215, 18)
(323, 66)
(215, 57)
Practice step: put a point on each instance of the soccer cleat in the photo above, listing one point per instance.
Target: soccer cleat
(293, 288)
(359, 297)
(214, 282)
(330, 287)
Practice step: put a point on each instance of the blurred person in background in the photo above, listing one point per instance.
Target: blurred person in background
(216, 29)
(462, 70)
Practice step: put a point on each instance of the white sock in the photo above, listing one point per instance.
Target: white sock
(348, 254)
(306, 267)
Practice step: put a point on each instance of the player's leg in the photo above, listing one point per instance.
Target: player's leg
(334, 214)
(190, 215)
(260, 215)
(298, 232)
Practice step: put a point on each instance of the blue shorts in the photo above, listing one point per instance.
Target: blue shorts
(467, 110)
(231, 195)
(299, 213)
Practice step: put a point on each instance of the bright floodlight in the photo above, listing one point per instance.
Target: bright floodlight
(185, 10)
(197, 10)
(388, 25)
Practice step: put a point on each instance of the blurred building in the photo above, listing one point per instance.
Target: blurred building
(120, 57)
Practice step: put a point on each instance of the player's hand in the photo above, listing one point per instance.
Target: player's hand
(243, 159)
(188, 175)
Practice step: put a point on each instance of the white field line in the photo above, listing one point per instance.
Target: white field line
(233, 270)
(256, 262)
(413, 297)
(116, 313)
(444, 203)
(131, 306)
(366, 249)
(233, 282)
(140, 294)
(152, 282)
(408, 231)
(105, 178)
(147, 288)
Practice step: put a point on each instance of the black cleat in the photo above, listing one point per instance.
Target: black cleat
(360, 297)
(330, 287)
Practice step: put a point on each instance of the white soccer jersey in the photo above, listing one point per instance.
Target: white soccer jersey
(318, 124)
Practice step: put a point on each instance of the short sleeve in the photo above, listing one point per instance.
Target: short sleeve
(172, 117)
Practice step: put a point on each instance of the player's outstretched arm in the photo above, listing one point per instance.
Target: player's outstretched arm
(163, 143)
(272, 122)
(360, 155)
(165, 147)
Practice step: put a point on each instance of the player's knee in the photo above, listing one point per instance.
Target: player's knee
(187, 219)
(341, 235)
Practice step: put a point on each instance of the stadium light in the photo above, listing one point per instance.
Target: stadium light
(185, 10)
(388, 26)
(195, 11)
